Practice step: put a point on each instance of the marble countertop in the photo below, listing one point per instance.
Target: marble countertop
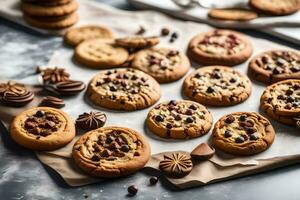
(22, 176)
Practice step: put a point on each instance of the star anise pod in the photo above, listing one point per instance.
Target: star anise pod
(54, 75)
(91, 121)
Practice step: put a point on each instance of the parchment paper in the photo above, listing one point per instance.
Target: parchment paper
(284, 151)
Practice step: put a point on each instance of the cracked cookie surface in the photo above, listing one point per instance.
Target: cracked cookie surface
(123, 89)
(217, 86)
(179, 119)
(275, 7)
(111, 152)
(243, 133)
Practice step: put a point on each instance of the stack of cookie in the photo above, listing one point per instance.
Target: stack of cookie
(50, 14)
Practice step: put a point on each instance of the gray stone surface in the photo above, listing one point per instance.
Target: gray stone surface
(22, 176)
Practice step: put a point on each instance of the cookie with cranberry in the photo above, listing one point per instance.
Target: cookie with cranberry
(77, 35)
(220, 47)
(123, 89)
(100, 53)
(274, 66)
(42, 128)
(137, 42)
(282, 99)
(243, 133)
(179, 119)
(232, 14)
(275, 7)
(111, 152)
(217, 86)
(163, 64)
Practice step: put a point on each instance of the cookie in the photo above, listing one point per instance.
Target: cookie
(282, 98)
(275, 7)
(176, 165)
(100, 53)
(232, 14)
(47, 2)
(42, 128)
(46, 11)
(274, 66)
(77, 35)
(222, 47)
(179, 119)
(163, 64)
(111, 152)
(61, 23)
(217, 86)
(243, 133)
(137, 42)
(123, 89)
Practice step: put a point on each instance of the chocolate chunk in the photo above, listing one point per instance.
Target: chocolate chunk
(39, 113)
(288, 106)
(189, 120)
(172, 40)
(232, 80)
(134, 77)
(159, 118)
(173, 53)
(239, 139)
(153, 180)
(193, 107)
(253, 137)
(243, 118)
(216, 75)
(203, 152)
(105, 153)
(49, 124)
(277, 70)
(141, 31)
(227, 134)
(295, 68)
(95, 158)
(174, 35)
(177, 117)
(169, 126)
(114, 145)
(110, 139)
(250, 130)
(295, 104)
(171, 107)
(125, 148)
(280, 61)
(29, 125)
(280, 97)
(290, 99)
(188, 112)
(172, 102)
(132, 190)
(229, 119)
(113, 88)
(197, 75)
(289, 92)
(164, 32)
(210, 90)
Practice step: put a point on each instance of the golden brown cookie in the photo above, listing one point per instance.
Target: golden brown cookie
(217, 86)
(275, 7)
(276, 65)
(137, 42)
(100, 53)
(220, 47)
(47, 2)
(123, 89)
(53, 22)
(232, 14)
(282, 99)
(111, 152)
(42, 128)
(46, 11)
(77, 35)
(243, 133)
(163, 64)
(179, 119)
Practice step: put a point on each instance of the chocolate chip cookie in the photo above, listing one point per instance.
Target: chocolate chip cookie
(137, 42)
(179, 119)
(222, 47)
(232, 14)
(123, 89)
(275, 7)
(164, 64)
(217, 86)
(243, 133)
(100, 53)
(281, 101)
(77, 35)
(274, 66)
(111, 152)
(42, 128)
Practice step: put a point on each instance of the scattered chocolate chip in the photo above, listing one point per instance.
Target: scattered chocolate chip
(243, 118)
(153, 180)
(239, 139)
(95, 158)
(172, 40)
(164, 32)
(174, 35)
(39, 113)
(159, 118)
(189, 120)
(132, 190)
(141, 31)
(210, 90)
(227, 134)
(229, 119)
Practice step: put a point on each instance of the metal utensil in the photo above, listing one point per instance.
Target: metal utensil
(211, 3)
